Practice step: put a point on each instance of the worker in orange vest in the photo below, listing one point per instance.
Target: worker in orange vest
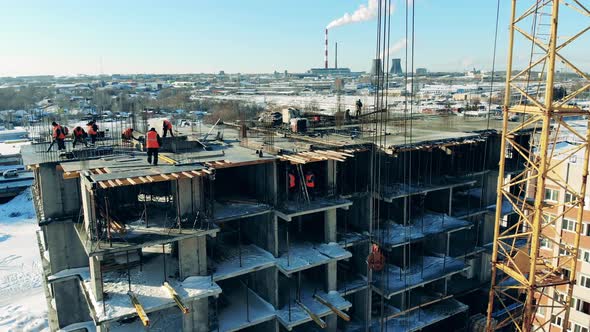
(310, 183)
(167, 127)
(79, 136)
(152, 143)
(59, 136)
(92, 129)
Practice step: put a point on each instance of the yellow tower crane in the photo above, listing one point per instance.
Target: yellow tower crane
(524, 276)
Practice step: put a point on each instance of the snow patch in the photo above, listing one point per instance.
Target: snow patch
(22, 300)
(19, 209)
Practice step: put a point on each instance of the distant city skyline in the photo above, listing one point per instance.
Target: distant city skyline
(132, 37)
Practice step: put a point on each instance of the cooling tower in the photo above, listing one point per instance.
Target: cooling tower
(376, 68)
(396, 67)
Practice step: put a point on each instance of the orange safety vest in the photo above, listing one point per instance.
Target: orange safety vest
(167, 124)
(310, 180)
(152, 140)
(291, 181)
(61, 132)
(91, 130)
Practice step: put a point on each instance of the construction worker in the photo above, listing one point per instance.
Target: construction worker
(79, 136)
(152, 143)
(59, 136)
(167, 127)
(359, 106)
(310, 183)
(375, 260)
(127, 134)
(92, 129)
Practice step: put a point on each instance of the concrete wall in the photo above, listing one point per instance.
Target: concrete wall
(70, 303)
(189, 194)
(64, 246)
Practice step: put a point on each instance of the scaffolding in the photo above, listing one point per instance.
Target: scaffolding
(523, 279)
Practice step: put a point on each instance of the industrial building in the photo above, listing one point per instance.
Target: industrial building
(217, 239)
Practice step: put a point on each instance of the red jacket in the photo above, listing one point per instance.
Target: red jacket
(167, 124)
(310, 180)
(128, 133)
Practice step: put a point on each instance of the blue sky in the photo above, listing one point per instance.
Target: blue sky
(132, 36)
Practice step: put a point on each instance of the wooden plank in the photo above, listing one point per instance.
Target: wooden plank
(151, 179)
(165, 177)
(313, 316)
(112, 183)
(175, 175)
(196, 173)
(130, 180)
(188, 175)
(142, 179)
(98, 171)
(102, 185)
(119, 182)
(335, 310)
(207, 171)
(139, 309)
(176, 298)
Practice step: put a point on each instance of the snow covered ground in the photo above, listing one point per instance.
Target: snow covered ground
(22, 301)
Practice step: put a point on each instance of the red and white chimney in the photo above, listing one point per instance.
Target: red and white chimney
(326, 52)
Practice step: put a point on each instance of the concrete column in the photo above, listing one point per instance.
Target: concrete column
(95, 278)
(184, 198)
(331, 181)
(330, 223)
(192, 257)
(197, 320)
(192, 261)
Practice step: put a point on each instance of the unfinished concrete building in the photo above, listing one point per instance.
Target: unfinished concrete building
(218, 239)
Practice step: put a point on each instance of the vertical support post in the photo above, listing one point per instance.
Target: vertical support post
(501, 166)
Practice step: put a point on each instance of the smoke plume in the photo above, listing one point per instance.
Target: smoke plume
(363, 13)
(398, 46)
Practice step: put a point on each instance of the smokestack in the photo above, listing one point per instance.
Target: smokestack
(336, 57)
(326, 51)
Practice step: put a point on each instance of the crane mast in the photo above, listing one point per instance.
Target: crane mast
(525, 276)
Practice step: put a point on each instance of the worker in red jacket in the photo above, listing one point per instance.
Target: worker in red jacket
(167, 127)
(152, 143)
(59, 136)
(127, 134)
(310, 183)
(79, 136)
(92, 129)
